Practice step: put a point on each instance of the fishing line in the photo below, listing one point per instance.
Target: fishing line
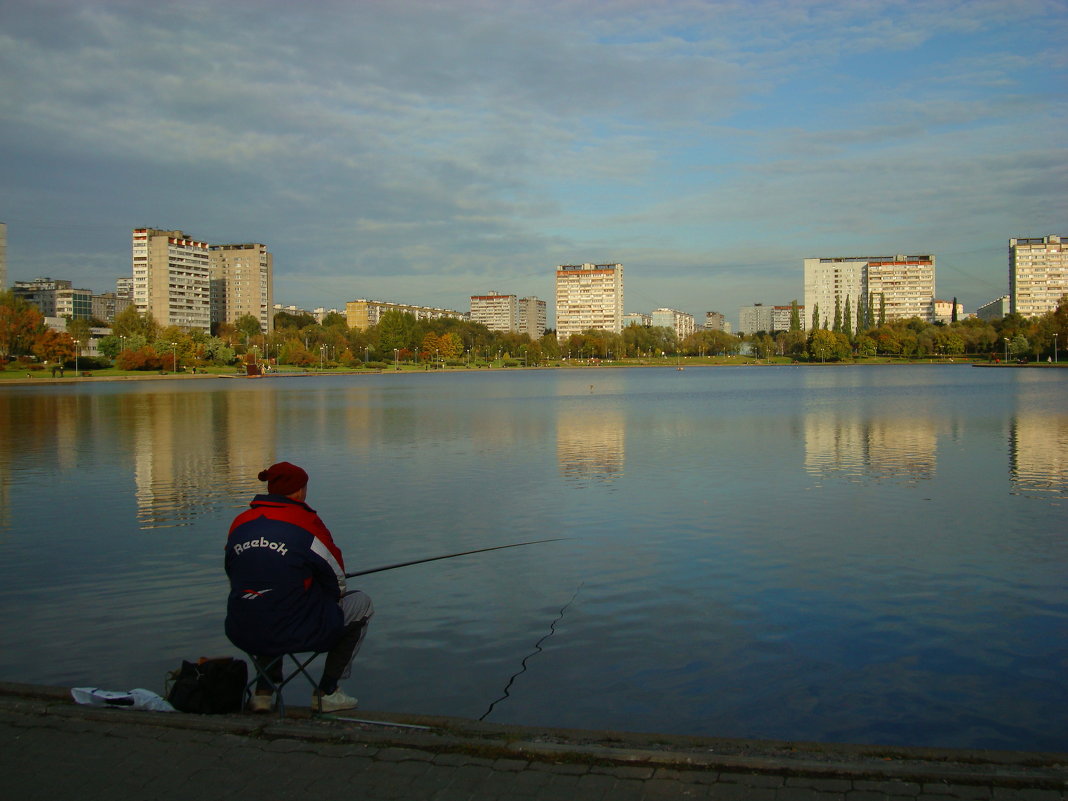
(537, 649)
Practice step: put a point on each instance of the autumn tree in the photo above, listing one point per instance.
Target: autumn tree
(20, 323)
(54, 346)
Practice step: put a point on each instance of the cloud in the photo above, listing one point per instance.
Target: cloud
(425, 147)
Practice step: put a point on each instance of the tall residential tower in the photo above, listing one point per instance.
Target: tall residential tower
(242, 283)
(1038, 274)
(588, 296)
(172, 278)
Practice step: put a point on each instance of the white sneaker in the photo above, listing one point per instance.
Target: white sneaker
(261, 702)
(334, 702)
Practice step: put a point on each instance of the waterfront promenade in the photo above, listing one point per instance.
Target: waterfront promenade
(57, 749)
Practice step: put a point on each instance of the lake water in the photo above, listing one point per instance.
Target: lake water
(846, 554)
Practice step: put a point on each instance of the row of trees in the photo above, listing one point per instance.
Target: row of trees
(138, 342)
(1012, 337)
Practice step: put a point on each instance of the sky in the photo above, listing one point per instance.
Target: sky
(424, 152)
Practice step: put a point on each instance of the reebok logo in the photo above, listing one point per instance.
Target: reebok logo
(251, 595)
(260, 543)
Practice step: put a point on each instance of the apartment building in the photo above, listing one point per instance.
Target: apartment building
(41, 292)
(242, 283)
(108, 306)
(1038, 274)
(755, 318)
(714, 321)
(496, 311)
(944, 312)
(902, 285)
(637, 318)
(533, 317)
(588, 296)
(994, 310)
(124, 286)
(363, 313)
(680, 322)
(172, 278)
(780, 317)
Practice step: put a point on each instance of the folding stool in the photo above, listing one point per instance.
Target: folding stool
(301, 660)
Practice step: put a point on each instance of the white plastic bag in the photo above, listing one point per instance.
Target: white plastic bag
(129, 699)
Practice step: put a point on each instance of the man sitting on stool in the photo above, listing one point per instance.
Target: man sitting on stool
(287, 589)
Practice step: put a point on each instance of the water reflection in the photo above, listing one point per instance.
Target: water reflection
(1038, 454)
(880, 548)
(871, 449)
(191, 448)
(590, 445)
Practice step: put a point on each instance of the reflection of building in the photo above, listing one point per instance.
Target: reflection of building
(242, 283)
(880, 448)
(1038, 453)
(590, 447)
(192, 448)
(1038, 274)
(588, 296)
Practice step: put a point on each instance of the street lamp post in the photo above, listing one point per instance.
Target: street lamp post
(1054, 348)
(1006, 349)
(322, 350)
(174, 357)
(396, 358)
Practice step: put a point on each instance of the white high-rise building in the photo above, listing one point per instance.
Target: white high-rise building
(172, 278)
(496, 311)
(588, 296)
(903, 286)
(242, 282)
(1038, 274)
(679, 322)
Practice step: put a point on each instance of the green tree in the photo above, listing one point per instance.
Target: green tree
(396, 330)
(847, 320)
(288, 320)
(795, 316)
(837, 314)
(815, 316)
(129, 322)
(247, 326)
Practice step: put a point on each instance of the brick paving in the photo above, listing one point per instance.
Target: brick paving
(53, 749)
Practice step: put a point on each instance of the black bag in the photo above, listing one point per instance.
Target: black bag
(209, 686)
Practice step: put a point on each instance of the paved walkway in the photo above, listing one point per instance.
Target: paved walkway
(53, 749)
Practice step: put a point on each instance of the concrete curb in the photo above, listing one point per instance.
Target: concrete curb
(1007, 769)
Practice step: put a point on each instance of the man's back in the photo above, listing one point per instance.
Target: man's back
(286, 576)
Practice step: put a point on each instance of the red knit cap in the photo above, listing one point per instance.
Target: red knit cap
(283, 478)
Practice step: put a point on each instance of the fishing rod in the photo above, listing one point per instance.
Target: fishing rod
(447, 556)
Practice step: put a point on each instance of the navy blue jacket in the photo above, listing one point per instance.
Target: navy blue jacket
(286, 577)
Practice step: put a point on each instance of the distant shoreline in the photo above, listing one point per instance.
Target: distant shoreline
(67, 381)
